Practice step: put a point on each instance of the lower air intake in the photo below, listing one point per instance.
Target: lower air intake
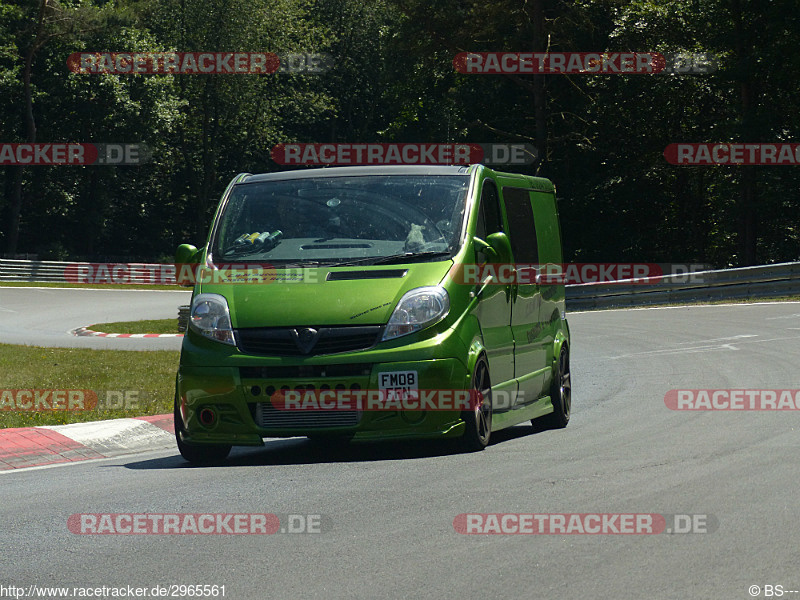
(268, 417)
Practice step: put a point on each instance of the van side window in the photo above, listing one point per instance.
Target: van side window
(520, 222)
(489, 220)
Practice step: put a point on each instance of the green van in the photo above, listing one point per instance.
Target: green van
(353, 279)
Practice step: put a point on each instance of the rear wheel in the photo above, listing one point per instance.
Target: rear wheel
(479, 419)
(205, 454)
(560, 395)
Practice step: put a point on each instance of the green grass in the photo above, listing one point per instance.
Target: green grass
(151, 373)
(93, 286)
(153, 326)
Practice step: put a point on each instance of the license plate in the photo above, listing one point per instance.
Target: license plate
(399, 384)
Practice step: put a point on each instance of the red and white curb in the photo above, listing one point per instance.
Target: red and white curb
(83, 331)
(36, 446)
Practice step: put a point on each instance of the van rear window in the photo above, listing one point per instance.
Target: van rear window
(522, 228)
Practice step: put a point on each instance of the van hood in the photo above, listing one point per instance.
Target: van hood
(326, 295)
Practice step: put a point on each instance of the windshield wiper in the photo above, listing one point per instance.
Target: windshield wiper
(238, 251)
(293, 263)
(394, 258)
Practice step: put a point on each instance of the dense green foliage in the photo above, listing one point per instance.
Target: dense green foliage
(600, 137)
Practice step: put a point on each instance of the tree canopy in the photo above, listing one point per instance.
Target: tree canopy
(600, 138)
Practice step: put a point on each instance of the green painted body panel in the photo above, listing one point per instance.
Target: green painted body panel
(480, 322)
(312, 300)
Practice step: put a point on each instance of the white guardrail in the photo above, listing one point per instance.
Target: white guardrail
(766, 281)
(32, 270)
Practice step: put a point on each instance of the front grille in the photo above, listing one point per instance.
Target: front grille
(268, 417)
(283, 341)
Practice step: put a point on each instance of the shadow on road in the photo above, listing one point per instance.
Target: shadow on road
(302, 451)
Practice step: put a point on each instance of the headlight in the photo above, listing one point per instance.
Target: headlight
(210, 317)
(416, 310)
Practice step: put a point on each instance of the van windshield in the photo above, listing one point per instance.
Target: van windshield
(339, 220)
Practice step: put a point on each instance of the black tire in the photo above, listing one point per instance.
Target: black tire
(207, 454)
(560, 395)
(479, 420)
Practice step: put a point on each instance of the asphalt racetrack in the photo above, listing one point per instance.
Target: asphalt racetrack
(387, 511)
(46, 316)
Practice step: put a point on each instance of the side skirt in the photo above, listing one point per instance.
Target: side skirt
(540, 408)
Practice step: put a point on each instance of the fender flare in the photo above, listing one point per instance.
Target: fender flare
(561, 340)
(476, 350)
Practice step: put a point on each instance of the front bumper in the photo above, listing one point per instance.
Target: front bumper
(239, 399)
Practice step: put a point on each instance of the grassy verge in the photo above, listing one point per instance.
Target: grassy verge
(153, 326)
(147, 377)
(94, 286)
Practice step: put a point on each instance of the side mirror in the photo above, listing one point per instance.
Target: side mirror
(186, 254)
(485, 247)
(501, 247)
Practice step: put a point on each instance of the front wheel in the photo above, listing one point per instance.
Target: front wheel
(560, 395)
(479, 419)
(198, 454)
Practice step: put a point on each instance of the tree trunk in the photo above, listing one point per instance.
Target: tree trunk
(15, 209)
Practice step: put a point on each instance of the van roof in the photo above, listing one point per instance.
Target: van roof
(359, 171)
